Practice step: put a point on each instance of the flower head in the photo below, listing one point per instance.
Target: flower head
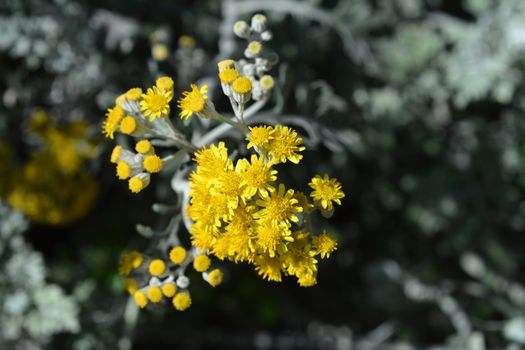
(215, 277)
(181, 301)
(324, 244)
(260, 136)
(157, 267)
(280, 207)
(113, 118)
(285, 145)
(326, 191)
(193, 101)
(155, 103)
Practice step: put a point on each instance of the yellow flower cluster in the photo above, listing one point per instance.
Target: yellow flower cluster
(166, 277)
(46, 187)
(135, 110)
(136, 168)
(241, 214)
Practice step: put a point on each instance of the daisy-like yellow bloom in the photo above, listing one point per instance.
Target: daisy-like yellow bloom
(300, 262)
(285, 145)
(201, 237)
(269, 268)
(260, 136)
(112, 122)
(280, 206)
(326, 191)
(137, 184)
(257, 176)
(155, 103)
(272, 237)
(193, 101)
(324, 244)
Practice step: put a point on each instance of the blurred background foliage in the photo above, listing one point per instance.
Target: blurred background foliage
(417, 108)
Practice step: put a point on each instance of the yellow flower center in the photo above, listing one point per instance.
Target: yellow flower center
(178, 255)
(154, 294)
(143, 146)
(115, 154)
(123, 170)
(242, 85)
(169, 290)
(152, 163)
(227, 76)
(157, 267)
(164, 83)
(201, 263)
(128, 125)
(136, 184)
(181, 301)
(140, 299)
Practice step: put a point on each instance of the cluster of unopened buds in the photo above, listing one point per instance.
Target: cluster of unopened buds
(233, 207)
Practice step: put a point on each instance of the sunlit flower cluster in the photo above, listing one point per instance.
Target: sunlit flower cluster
(46, 187)
(241, 213)
(232, 204)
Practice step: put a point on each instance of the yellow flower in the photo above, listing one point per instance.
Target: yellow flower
(257, 176)
(115, 154)
(129, 262)
(165, 84)
(272, 237)
(113, 118)
(201, 263)
(324, 244)
(144, 147)
(140, 299)
(152, 163)
(227, 76)
(226, 64)
(157, 267)
(131, 285)
(138, 183)
(201, 237)
(285, 144)
(260, 136)
(280, 206)
(307, 280)
(266, 82)
(193, 101)
(269, 268)
(326, 191)
(254, 48)
(178, 255)
(123, 170)
(154, 294)
(299, 262)
(155, 103)
(215, 277)
(242, 85)
(211, 160)
(128, 125)
(134, 94)
(169, 289)
(181, 301)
